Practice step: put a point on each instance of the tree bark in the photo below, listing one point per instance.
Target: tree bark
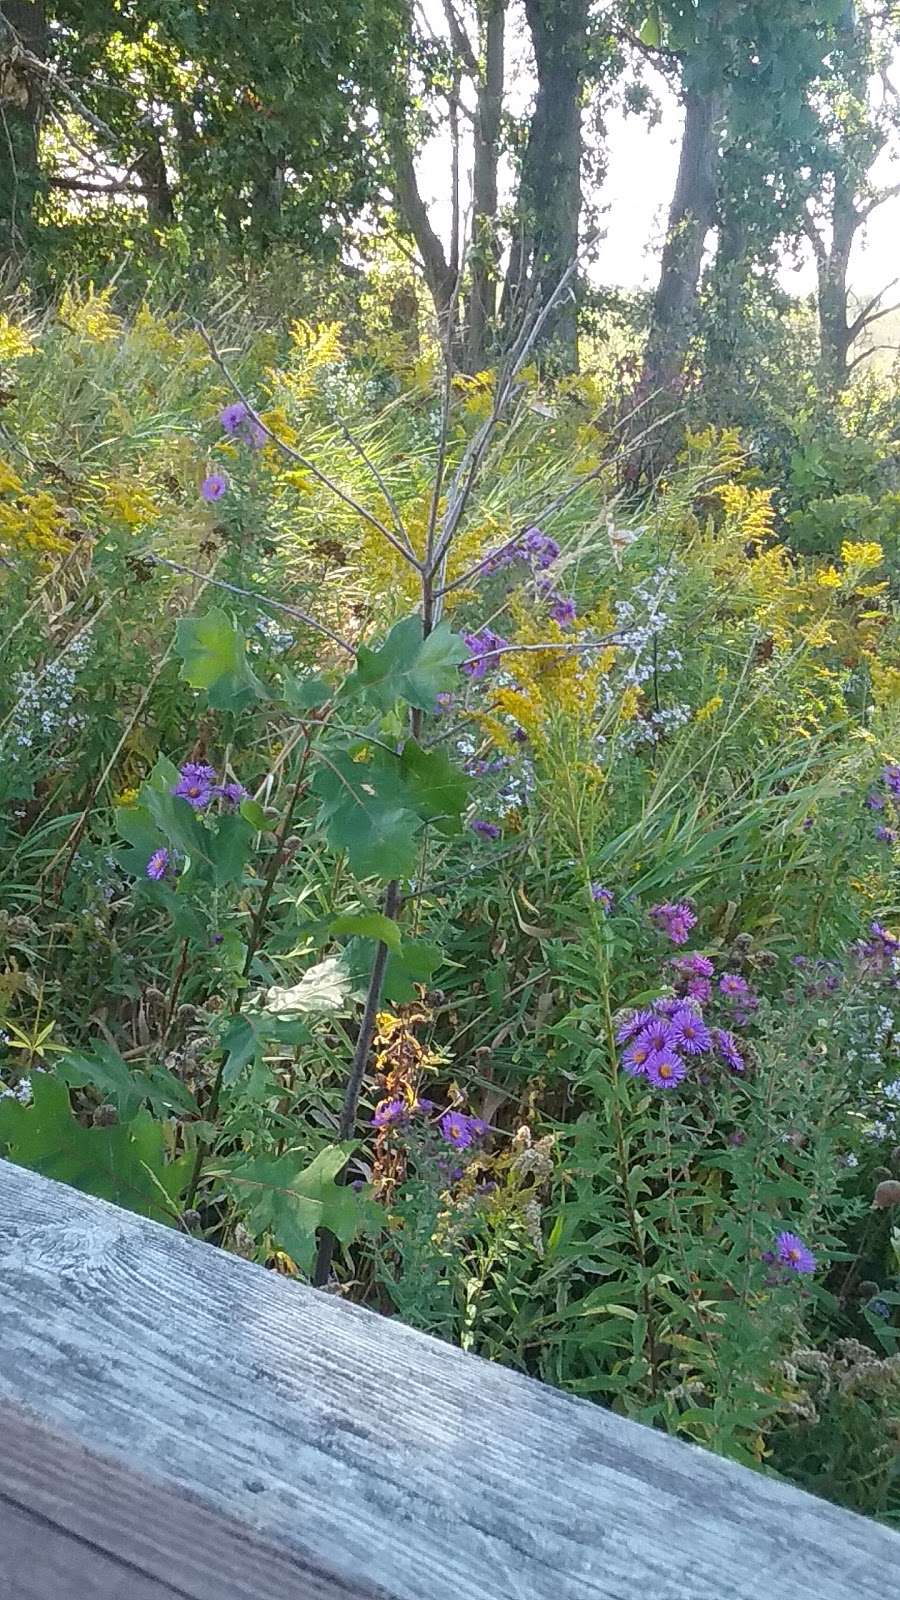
(691, 215)
(21, 104)
(832, 266)
(439, 274)
(549, 209)
(482, 306)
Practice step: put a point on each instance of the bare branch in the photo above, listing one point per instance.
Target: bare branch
(54, 78)
(84, 186)
(309, 466)
(468, 469)
(878, 200)
(863, 319)
(253, 594)
(460, 39)
(851, 365)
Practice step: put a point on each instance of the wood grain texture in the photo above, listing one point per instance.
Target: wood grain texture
(374, 1451)
(78, 1526)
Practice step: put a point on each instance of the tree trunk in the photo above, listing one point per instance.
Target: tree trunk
(22, 26)
(835, 332)
(151, 169)
(725, 323)
(482, 307)
(691, 215)
(439, 274)
(549, 208)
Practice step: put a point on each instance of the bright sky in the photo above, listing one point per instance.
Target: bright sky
(642, 163)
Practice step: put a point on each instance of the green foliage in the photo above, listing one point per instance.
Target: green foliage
(125, 1163)
(281, 1196)
(579, 1224)
(408, 667)
(214, 654)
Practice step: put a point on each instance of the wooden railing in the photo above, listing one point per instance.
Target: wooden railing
(178, 1423)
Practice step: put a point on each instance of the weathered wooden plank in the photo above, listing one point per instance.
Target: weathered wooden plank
(374, 1451)
(75, 1525)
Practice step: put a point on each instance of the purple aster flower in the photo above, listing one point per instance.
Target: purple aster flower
(657, 1035)
(690, 1033)
(195, 785)
(726, 1047)
(886, 835)
(538, 548)
(483, 646)
(631, 1024)
(234, 416)
(460, 1130)
(602, 897)
(874, 801)
(486, 830)
(693, 965)
(699, 989)
(214, 486)
(520, 736)
(793, 1253)
(666, 1070)
(635, 1058)
(675, 921)
(389, 1113)
(733, 986)
(158, 865)
(233, 793)
(563, 611)
(667, 1005)
(891, 779)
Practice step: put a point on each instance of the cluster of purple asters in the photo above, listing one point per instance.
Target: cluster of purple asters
(461, 1130)
(657, 1041)
(535, 548)
(237, 421)
(395, 1113)
(887, 805)
(880, 953)
(485, 829)
(789, 1254)
(660, 1043)
(197, 784)
(483, 647)
(675, 921)
(602, 897)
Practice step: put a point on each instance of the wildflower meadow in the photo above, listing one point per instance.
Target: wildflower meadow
(450, 821)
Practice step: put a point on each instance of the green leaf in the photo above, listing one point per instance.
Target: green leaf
(124, 1086)
(408, 667)
(136, 826)
(304, 694)
(324, 988)
(278, 1195)
(437, 789)
(650, 33)
(365, 811)
(178, 823)
(125, 1163)
(243, 1039)
(103, 1069)
(415, 962)
(368, 925)
(214, 656)
(229, 848)
(252, 812)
